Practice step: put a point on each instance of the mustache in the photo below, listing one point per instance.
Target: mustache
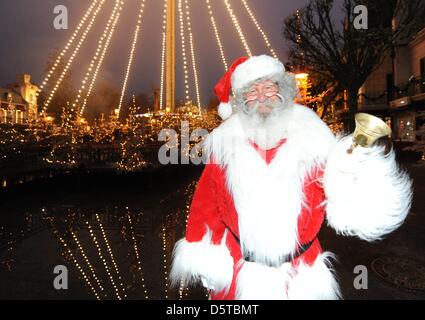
(269, 98)
(274, 105)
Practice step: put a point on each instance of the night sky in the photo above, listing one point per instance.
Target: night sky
(27, 37)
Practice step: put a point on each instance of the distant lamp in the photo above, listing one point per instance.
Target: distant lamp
(301, 76)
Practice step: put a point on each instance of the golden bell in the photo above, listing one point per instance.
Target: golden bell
(368, 129)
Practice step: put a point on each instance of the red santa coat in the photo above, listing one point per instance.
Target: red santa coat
(264, 205)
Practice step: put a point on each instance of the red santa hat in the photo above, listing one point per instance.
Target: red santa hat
(241, 73)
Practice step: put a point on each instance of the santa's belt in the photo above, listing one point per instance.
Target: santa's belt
(288, 258)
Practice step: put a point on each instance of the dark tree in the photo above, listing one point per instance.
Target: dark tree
(104, 99)
(342, 55)
(66, 92)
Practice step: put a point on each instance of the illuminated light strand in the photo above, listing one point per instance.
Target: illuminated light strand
(100, 62)
(101, 44)
(238, 27)
(217, 35)
(183, 46)
(107, 268)
(257, 25)
(181, 289)
(136, 251)
(164, 27)
(192, 52)
(130, 60)
(164, 250)
(134, 103)
(85, 277)
(188, 193)
(108, 247)
(73, 55)
(69, 43)
(80, 247)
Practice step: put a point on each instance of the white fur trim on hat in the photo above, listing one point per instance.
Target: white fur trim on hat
(255, 68)
(224, 110)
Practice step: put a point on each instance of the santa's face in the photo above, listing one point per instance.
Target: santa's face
(262, 97)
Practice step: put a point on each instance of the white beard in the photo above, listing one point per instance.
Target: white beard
(267, 131)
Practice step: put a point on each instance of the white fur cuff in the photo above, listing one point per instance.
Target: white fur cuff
(367, 194)
(193, 261)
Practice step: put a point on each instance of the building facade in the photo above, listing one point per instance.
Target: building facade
(18, 102)
(396, 90)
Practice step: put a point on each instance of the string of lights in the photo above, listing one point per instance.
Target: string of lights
(183, 46)
(86, 259)
(111, 255)
(165, 266)
(257, 25)
(80, 269)
(192, 52)
(100, 62)
(73, 55)
(103, 45)
(102, 258)
(164, 29)
(67, 46)
(130, 60)
(217, 35)
(238, 27)
(138, 259)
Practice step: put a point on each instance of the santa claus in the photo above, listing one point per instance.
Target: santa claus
(275, 172)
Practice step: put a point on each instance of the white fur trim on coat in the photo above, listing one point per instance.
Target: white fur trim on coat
(269, 198)
(193, 261)
(367, 194)
(259, 282)
(316, 282)
(224, 110)
(255, 68)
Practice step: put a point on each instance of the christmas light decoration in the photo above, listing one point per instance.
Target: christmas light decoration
(111, 255)
(165, 266)
(73, 55)
(86, 259)
(80, 269)
(192, 52)
(238, 27)
(257, 25)
(217, 35)
(130, 60)
(183, 47)
(102, 258)
(101, 50)
(138, 259)
(164, 27)
(67, 46)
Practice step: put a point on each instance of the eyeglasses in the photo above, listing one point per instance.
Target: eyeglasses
(268, 90)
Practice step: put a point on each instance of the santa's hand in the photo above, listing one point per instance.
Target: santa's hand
(207, 284)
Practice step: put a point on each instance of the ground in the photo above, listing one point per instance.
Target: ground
(395, 265)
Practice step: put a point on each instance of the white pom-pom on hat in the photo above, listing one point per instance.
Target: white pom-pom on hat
(225, 110)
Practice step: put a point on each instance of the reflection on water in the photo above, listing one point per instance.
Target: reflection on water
(112, 252)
